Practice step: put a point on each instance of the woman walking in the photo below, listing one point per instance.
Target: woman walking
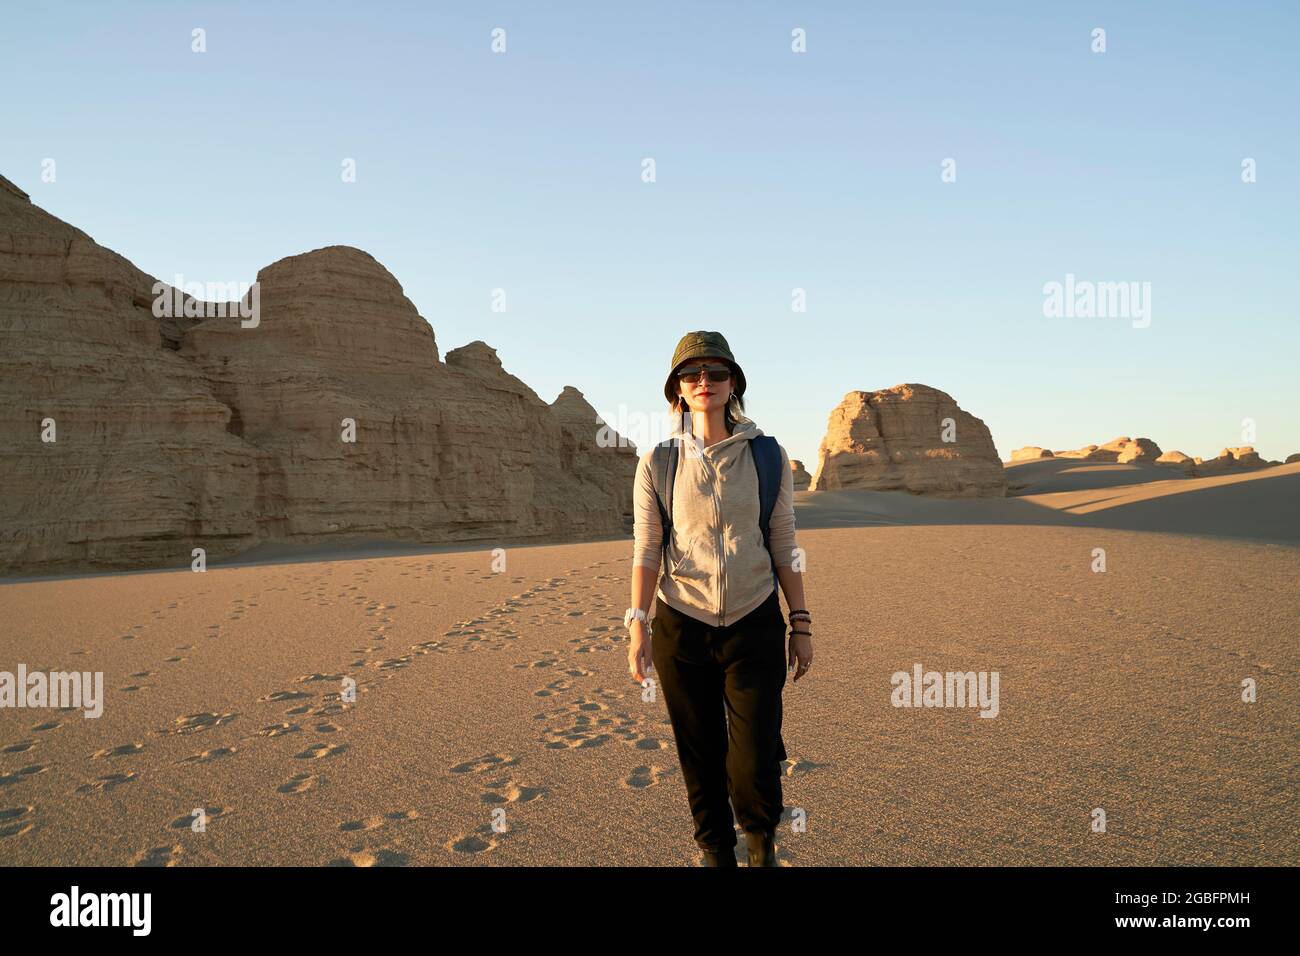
(717, 499)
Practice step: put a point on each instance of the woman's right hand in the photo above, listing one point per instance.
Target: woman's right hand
(639, 659)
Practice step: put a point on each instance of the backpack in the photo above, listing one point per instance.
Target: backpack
(767, 462)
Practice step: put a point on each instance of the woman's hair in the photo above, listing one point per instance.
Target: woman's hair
(679, 404)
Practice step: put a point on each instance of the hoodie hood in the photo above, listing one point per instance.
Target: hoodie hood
(745, 430)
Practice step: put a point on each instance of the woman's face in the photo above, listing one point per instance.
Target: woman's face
(701, 394)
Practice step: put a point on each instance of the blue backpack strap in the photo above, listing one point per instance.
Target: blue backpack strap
(767, 461)
(663, 469)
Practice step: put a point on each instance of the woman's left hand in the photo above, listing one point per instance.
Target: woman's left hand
(801, 650)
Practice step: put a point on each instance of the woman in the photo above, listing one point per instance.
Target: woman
(717, 638)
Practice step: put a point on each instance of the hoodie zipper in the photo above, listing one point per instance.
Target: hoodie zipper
(714, 492)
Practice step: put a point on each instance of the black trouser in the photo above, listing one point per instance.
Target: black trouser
(723, 691)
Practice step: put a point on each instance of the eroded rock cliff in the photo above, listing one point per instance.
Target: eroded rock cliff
(329, 418)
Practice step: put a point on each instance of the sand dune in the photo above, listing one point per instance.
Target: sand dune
(1262, 505)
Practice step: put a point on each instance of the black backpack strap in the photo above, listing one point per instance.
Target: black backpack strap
(767, 461)
(663, 470)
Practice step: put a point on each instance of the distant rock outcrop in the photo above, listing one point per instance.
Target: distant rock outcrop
(1229, 460)
(1244, 458)
(1292, 459)
(1122, 450)
(332, 417)
(1030, 453)
(1176, 459)
(801, 477)
(908, 438)
(1083, 452)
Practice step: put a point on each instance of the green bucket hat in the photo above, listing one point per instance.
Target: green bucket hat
(697, 345)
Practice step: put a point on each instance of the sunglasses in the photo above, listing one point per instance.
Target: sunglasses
(716, 373)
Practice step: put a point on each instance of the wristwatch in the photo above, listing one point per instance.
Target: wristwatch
(634, 613)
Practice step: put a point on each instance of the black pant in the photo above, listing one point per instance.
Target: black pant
(723, 691)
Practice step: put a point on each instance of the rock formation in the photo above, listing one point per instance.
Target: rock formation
(1175, 459)
(1121, 450)
(1030, 453)
(330, 418)
(908, 438)
(1083, 452)
(801, 477)
(1228, 460)
(1244, 458)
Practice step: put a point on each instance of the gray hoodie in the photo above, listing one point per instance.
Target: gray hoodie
(718, 569)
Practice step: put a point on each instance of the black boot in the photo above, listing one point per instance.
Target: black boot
(762, 849)
(726, 857)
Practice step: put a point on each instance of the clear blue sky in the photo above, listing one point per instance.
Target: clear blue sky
(775, 170)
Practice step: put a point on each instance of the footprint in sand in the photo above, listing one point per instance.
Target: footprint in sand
(558, 686)
(538, 664)
(186, 822)
(642, 742)
(280, 695)
(507, 791)
(197, 723)
(642, 777)
(105, 784)
(159, 856)
(326, 709)
(487, 762)
(589, 723)
(208, 756)
(793, 768)
(374, 823)
(277, 730)
(18, 776)
(21, 747)
(125, 750)
(321, 751)
(364, 856)
(15, 821)
(48, 725)
(481, 840)
(301, 783)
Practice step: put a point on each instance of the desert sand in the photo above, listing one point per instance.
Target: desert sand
(481, 692)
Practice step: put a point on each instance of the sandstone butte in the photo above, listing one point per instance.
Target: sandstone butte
(801, 477)
(174, 434)
(896, 439)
